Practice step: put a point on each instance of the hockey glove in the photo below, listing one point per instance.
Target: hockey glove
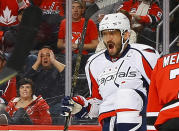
(76, 105)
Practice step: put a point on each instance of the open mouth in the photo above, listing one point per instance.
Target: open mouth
(111, 45)
(75, 14)
(25, 93)
(45, 62)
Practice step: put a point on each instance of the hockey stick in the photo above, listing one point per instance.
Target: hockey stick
(89, 12)
(28, 28)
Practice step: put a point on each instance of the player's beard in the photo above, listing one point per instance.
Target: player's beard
(113, 48)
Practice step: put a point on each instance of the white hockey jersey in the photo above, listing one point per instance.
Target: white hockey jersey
(132, 70)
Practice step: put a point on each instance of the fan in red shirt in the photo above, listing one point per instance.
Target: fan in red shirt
(144, 12)
(91, 38)
(9, 11)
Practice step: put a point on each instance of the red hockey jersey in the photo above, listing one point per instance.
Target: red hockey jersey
(9, 11)
(163, 96)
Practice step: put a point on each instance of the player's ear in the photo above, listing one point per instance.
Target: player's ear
(126, 35)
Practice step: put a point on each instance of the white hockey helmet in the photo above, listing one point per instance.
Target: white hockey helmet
(114, 21)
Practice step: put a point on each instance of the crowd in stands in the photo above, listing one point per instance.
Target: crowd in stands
(46, 73)
(45, 65)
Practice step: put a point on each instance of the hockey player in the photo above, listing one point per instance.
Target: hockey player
(162, 109)
(118, 78)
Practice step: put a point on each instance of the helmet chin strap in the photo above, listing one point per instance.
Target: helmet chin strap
(123, 43)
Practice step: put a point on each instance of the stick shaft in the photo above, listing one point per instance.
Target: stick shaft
(88, 14)
(76, 71)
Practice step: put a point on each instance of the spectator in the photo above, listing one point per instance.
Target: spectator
(10, 39)
(145, 16)
(9, 11)
(162, 109)
(118, 79)
(11, 34)
(8, 15)
(53, 14)
(105, 7)
(27, 108)
(101, 3)
(47, 74)
(7, 89)
(91, 38)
